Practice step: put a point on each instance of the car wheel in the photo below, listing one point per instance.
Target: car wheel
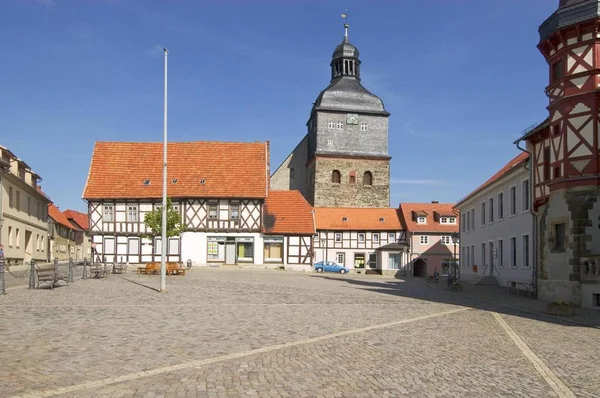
(342, 271)
(319, 270)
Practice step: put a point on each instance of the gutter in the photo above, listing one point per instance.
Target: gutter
(534, 240)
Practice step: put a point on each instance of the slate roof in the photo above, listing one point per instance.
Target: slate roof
(409, 210)
(515, 162)
(287, 212)
(570, 12)
(357, 219)
(534, 130)
(58, 216)
(194, 169)
(346, 94)
(78, 218)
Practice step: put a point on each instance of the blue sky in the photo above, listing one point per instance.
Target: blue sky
(461, 78)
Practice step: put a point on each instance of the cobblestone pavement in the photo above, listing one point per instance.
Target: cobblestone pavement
(233, 333)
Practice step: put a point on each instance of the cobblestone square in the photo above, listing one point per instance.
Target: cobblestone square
(232, 332)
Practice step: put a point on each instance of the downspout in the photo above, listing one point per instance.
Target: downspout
(534, 240)
(312, 241)
(1, 203)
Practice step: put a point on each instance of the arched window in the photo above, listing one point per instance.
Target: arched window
(368, 178)
(336, 176)
(292, 172)
(352, 177)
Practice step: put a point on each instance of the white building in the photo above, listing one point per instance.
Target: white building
(497, 228)
(219, 188)
(362, 238)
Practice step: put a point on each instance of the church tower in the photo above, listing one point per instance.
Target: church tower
(347, 142)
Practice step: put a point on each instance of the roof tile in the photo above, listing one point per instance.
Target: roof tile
(78, 218)
(228, 169)
(58, 216)
(515, 162)
(287, 212)
(430, 211)
(357, 219)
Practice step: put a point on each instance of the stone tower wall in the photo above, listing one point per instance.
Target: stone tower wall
(281, 179)
(344, 194)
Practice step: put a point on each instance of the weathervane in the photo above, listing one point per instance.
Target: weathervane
(345, 16)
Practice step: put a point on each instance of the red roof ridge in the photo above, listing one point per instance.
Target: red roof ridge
(507, 168)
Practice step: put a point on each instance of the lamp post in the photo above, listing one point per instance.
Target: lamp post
(4, 167)
(455, 239)
(163, 240)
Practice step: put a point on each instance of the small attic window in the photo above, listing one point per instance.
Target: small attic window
(146, 182)
(174, 181)
(203, 181)
(381, 219)
(345, 219)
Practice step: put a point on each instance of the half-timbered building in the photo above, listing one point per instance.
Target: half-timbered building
(219, 189)
(565, 157)
(433, 236)
(289, 228)
(361, 238)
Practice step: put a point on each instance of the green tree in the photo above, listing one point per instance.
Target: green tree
(153, 221)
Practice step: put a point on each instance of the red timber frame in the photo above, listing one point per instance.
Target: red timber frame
(572, 135)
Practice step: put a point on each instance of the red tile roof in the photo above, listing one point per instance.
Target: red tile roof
(228, 169)
(287, 212)
(431, 211)
(510, 166)
(58, 216)
(357, 219)
(78, 218)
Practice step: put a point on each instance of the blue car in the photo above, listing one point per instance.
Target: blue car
(330, 266)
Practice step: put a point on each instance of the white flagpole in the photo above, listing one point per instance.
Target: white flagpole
(163, 240)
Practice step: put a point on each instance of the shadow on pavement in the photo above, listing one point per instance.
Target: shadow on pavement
(486, 298)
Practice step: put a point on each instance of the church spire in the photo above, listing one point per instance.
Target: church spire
(345, 60)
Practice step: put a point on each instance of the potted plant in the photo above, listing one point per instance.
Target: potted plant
(561, 308)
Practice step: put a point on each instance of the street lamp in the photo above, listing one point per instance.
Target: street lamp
(4, 167)
(455, 239)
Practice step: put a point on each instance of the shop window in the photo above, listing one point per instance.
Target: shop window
(273, 249)
(216, 251)
(359, 260)
(245, 251)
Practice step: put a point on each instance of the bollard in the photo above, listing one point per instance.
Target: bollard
(70, 269)
(32, 274)
(84, 268)
(2, 284)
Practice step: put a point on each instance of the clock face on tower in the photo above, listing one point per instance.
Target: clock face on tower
(351, 118)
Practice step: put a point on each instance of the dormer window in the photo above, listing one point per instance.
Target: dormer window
(146, 182)
(381, 219)
(22, 173)
(344, 219)
(421, 220)
(447, 220)
(174, 181)
(202, 182)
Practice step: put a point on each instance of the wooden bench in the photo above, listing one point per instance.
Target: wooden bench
(47, 273)
(98, 270)
(119, 268)
(175, 269)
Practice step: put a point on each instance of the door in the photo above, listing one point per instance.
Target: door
(230, 253)
(491, 254)
(394, 261)
(28, 247)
